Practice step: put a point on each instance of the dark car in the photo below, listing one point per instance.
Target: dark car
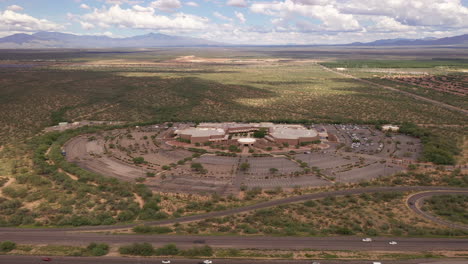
(46, 259)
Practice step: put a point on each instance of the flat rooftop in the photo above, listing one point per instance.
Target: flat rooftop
(202, 132)
(292, 133)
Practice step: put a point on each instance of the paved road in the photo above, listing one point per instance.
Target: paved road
(415, 202)
(116, 260)
(418, 97)
(70, 236)
(241, 242)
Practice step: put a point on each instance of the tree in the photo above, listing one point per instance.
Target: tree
(139, 160)
(198, 167)
(261, 133)
(245, 166)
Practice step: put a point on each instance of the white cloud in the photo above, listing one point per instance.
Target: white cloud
(86, 25)
(436, 13)
(192, 4)
(14, 8)
(142, 9)
(221, 16)
(119, 2)
(84, 6)
(240, 16)
(331, 18)
(13, 21)
(136, 19)
(237, 3)
(166, 5)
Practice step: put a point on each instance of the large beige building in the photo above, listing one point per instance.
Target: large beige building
(292, 135)
(280, 133)
(202, 135)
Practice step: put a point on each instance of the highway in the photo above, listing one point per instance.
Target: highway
(84, 235)
(241, 242)
(141, 260)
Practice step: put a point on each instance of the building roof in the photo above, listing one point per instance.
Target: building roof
(246, 140)
(292, 133)
(201, 132)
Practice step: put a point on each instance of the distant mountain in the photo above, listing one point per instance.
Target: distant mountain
(63, 40)
(461, 40)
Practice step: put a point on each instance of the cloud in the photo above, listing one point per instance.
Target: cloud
(237, 3)
(192, 4)
(330, 17)
(166, 5)
(240, 16)
(143, 18)
(85, 6)
(14, 8)
(436, 13)
(120, 2)
(86, 25)
(13, 21)
(221, 16)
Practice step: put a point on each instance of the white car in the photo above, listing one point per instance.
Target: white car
(367, 239)
(207, 261)
(392, 243)
(315, 262)
(166, 261)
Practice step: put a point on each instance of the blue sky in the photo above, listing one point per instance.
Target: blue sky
(241, 21)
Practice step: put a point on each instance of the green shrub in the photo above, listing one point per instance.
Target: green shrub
(205, 251)
(98, 249)
(167, 250)
(139, 160)
(7, 246)
(137, 249)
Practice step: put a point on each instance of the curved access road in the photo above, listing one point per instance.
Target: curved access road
(416, 201)
(261, 205)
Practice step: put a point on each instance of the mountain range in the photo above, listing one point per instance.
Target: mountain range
(461, 40)
(41, 40)
(63, 40)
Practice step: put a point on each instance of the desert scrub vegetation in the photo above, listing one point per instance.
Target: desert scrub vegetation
(438, 149)
(421, 176)
(451, 207)
(93, 249)
(428, 63)
(146, 249)
(378, 214)
(49, 196)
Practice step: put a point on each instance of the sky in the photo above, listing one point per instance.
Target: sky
(258, 22)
